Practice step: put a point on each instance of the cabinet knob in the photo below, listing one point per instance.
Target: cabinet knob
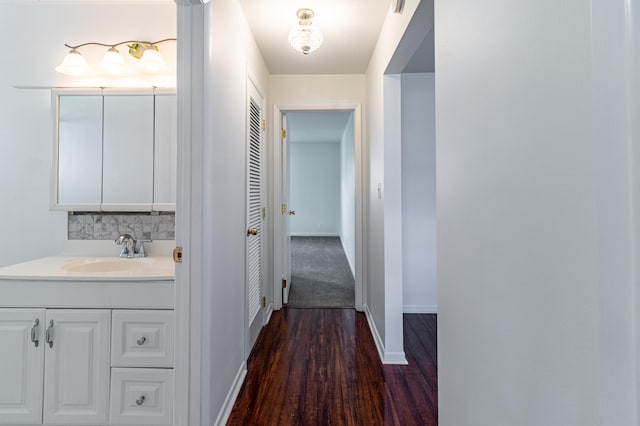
(140, 400)
(141, 341)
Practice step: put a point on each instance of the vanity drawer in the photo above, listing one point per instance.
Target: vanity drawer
(141, 396)
(142, 338)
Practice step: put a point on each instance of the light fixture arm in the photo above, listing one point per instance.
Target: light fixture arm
(95, 43)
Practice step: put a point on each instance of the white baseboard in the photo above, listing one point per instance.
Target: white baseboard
(420, 309)
(318, 234)
(353, 271)
(225, 411)
(395, 358)
(374, 332)
(269, 312)
(386, 357)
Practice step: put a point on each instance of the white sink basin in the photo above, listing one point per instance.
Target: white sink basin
(92, 268)
(106, 265)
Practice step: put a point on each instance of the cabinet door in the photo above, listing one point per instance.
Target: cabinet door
(128, 153)
(76, 388)
(21, 364)
(165, 153)
(79, 149)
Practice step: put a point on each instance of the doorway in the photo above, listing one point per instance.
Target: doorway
(321, 188)
(304, 221)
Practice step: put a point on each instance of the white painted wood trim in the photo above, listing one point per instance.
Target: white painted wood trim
(374, 332)
(314, 234)
(227, 406)
(387, 357)
(276, 212)
(395, 358)
(420, 309)
(277, 196)
(351, 266)
(189, 219)
(268, 313)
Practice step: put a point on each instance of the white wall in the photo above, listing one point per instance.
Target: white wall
(232, 52)
(518, 337)
(418, 193)
(37, 32)
(315, 188)
(633, 49)
(614, 72)
(384, 299)
(347, 194)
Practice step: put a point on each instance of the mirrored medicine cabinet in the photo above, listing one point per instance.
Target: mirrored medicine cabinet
(114, 150)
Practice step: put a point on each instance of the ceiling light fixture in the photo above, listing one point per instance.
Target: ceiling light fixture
(305, 38)
(147, 52)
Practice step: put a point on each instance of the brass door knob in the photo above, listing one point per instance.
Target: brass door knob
(292, 212)
(252, 231)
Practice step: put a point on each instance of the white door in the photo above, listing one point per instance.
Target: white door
(286, 211)
(255, 214)
(21, 365)
(76, 384)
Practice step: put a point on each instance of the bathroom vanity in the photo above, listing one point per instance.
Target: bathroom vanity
(87, 341)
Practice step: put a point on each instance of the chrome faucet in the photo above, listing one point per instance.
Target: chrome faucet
(130, 246)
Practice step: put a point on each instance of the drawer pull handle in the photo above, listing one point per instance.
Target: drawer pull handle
(141, 341)
(34, 339)
(140, 400)
(47, 334)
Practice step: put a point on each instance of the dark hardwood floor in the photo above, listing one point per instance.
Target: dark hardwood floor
(321, 367)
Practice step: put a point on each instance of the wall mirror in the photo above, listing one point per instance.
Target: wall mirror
(114, 150)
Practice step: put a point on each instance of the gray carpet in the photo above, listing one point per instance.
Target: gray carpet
(320, 274)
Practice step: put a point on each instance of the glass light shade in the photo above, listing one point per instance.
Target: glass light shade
(113, 61)
(305, 39)
(152, 59)
(73, 64)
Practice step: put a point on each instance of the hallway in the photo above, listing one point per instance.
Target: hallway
(320, 366)
(320, 274)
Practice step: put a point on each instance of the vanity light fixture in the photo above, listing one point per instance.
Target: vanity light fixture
(73, 64)
(305, 38)
(147, 52)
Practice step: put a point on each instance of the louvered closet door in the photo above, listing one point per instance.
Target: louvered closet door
(254, 255)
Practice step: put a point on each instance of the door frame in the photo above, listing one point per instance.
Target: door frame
(278, 227)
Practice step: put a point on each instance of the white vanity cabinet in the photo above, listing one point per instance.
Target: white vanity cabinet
(86, 366)
(85, 346)
(55, 366)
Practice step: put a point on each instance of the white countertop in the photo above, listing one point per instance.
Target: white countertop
(85, 268)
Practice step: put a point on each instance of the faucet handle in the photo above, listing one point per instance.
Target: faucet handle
(123, 238)
(141, 252)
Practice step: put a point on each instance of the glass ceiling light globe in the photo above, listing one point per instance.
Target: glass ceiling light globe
(152, 59)
(73, 64)
(305, 38)
(113, 61)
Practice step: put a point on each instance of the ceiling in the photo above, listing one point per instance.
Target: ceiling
(317, 126)
(350, 30)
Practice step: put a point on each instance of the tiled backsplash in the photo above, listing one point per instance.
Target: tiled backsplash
(108, 226)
